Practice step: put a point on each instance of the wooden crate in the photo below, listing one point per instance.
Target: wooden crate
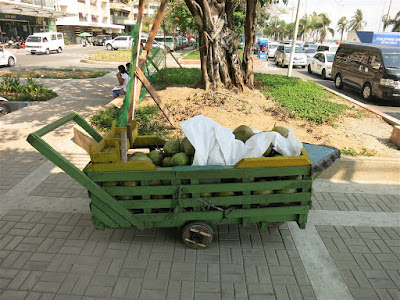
(171, 197)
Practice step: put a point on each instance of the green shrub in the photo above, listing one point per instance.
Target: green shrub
(13, 90)
(302, 99)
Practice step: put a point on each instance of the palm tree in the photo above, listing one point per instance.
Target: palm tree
(304, 26)
(357, 22)
(395, 22)
(315, 25)
(324, 21)
(342, 26)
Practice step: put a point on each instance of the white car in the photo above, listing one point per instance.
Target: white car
(7, 58)
(271, 49)
(120, 42)
(282, 56)
(321, 63)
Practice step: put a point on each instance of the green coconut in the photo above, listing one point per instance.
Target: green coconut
(156, 157)
(224, 194)
(286, 191)
(205, 195)
(171, 147)
(180, 159)
(130, 183)
(138, 154)
(283, 131)
(182, 149)
(109, 183)
(140, 158)
(166, 162)
(243, 133)
(188, 147)
(154, 182)
(268, 151)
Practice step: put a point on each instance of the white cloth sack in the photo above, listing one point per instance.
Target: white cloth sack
(216, 145)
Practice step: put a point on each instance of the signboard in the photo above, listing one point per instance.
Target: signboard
(391, 39)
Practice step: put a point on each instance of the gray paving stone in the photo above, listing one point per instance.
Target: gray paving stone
(13, 295)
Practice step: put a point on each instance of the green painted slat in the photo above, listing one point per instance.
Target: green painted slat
(88, 128)
(132, 175)
(225, 172)
(228, 214)
(197, 168)
(110, 212)
(60, 161)
(231, 172)
(211, 188)
(232, 200)
(96, 212)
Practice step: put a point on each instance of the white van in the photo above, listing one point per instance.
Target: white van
(44, 42)
(169, 41)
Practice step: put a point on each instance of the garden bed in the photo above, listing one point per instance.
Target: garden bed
(55, 73)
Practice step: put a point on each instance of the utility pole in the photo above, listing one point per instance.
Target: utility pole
(296, 28)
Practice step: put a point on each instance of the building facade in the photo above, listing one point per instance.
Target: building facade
(20, 18)
(92, 16)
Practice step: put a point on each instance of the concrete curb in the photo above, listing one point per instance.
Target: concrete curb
(96, 62)
(386, 117)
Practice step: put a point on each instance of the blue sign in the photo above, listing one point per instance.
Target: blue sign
(391, 39)
(263, 55)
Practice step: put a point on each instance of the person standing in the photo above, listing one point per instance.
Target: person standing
(123, 79)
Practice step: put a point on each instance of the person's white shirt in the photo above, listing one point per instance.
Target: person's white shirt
(125, 77)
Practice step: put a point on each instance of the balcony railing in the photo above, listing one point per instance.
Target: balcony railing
(44, 3)
(122, 20)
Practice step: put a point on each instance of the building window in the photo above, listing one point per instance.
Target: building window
(82, 1)
(82, 17)
(94, 18)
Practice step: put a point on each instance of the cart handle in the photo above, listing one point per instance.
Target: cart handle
(64, 164)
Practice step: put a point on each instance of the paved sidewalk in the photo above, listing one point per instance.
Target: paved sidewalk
(50, 250)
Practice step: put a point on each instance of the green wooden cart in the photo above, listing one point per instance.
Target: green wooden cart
(195, 198)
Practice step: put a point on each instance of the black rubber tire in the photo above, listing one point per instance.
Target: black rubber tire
(59, 50)
(197, 234)
(33, 53)
(303, 67)
(109, 47)
(366, 91)
(276, 62)
(11, 61)
(309, 69)
(323, 74)
(339, 81)
(4, 109)
(47, 52)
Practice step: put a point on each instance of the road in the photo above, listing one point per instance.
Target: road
(391, 108)
(72, 55)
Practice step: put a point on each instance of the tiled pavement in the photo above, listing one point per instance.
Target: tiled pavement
(62, 256)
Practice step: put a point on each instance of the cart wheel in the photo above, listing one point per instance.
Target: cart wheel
(197, 235)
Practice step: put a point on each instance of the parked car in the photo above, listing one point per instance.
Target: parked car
(282, 56)
(100, 40)
(45, 42)
(370, 68)
(120, 42)
(271, 49)
(321, 63)
(7, 58)
(326, 47)
(310, 52)
(169, 41)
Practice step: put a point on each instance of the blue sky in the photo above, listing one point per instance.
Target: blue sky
(372, 10)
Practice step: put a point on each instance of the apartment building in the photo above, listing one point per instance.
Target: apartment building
(20, 18)
(92, 16)
(125, 12)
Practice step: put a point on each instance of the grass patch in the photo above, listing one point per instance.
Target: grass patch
(12, 89)
(149, 118)
(192, 55)
(301, 99)
(118, 56)
(352, 152)
(178, 76)
(71, 73)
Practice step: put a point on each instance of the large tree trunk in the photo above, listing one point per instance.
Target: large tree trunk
(220, 63)
(249, 43)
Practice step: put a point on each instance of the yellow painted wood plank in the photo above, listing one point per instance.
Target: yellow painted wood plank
(144, 140)
(277, 161)
(114, 167)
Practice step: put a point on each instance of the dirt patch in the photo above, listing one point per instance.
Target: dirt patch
(357, 128)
